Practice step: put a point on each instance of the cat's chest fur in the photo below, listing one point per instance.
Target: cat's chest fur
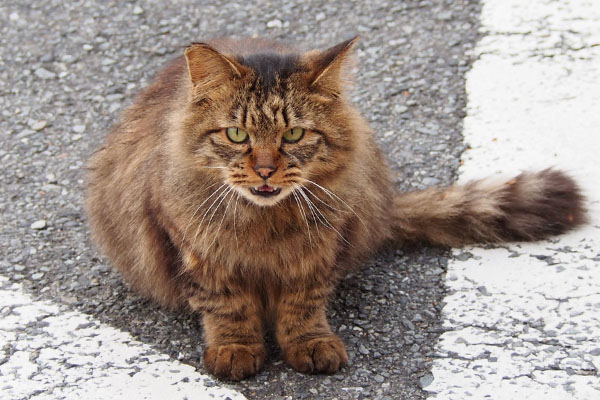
(225, 231)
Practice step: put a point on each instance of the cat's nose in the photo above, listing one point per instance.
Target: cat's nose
(265, 171)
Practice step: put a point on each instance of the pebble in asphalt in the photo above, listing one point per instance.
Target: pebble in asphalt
(67, 68)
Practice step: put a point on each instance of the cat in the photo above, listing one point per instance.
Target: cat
(243, 184)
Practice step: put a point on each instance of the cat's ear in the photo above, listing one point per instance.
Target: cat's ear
(210, 71)
(330, 69)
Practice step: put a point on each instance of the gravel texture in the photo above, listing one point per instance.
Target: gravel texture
(67, 68)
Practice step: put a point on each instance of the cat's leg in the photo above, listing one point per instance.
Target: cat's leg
(232, 316)
(302, 330)
(233, 332)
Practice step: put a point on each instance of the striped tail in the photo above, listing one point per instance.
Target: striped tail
(532, 206)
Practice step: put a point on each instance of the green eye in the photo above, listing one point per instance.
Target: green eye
(237, 135)
(293, 135)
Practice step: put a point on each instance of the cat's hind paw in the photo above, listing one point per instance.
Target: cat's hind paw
(234, 361)
(320, 355)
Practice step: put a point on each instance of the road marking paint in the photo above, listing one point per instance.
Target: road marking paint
(47, 353)
(524, 319)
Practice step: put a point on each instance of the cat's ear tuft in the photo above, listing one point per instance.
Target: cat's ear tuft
(209, 70)
(330, 69)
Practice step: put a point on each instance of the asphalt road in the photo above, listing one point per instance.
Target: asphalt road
(67, 68)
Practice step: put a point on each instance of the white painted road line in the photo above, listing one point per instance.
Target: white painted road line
(68, 355)
(524, 319)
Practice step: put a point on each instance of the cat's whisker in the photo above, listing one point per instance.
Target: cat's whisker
(332, 195)
(222, 219)
(193, 216)
(195, 195)
(324, 220)
(308, 202)
(310, 207)
(215, 212)
(318, 218)
(317, 212)
(237, 199)
(328, 224)
(196, 212)
(323, 202)
(303, 215)
(224, 192)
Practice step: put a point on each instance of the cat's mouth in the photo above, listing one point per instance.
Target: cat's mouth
(265, 191)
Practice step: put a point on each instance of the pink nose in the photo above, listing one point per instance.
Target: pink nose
(265, 171)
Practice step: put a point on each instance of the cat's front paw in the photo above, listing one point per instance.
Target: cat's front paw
(234, 361)
(320, 355)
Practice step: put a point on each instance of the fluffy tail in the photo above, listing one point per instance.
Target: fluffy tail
(531, 206)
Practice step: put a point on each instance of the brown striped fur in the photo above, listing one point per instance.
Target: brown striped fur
(170, 202)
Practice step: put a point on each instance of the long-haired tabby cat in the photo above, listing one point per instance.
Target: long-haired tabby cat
(243, 184)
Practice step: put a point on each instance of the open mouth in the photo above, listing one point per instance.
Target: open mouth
(265, 191)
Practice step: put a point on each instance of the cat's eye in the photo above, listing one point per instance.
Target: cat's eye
(237, 135)
(293, 135)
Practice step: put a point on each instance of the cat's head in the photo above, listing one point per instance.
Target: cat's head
(269, 122)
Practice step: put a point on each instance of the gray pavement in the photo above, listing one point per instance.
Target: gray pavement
(67, 68)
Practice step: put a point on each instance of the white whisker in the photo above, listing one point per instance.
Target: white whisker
(223, 193)
(215, 212)
(321, 200)
(198, 209)
(324, 220)
(303, 215)
(220, 223)
(310, 207)
(332, 195)
(237, 198)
